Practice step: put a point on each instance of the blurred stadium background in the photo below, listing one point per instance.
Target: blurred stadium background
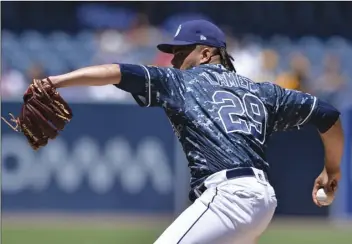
(117, 174)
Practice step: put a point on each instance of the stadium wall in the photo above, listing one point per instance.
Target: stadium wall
(125, 159)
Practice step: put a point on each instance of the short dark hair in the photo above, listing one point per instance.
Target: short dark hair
(226, 59)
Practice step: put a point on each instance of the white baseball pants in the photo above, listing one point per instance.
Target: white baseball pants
(235, 211)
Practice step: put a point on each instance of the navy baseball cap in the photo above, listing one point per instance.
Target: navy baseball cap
(201, 32)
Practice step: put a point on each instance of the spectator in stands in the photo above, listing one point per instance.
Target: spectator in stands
(112, 46)
(142, 36)
(163, 59)
(247, 58)
(142, 33)
(35, 70)
(331, 82)
(13, 82)
(268, 66)
(287, 80)
(298, 77)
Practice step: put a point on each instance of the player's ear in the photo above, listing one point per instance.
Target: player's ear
(205, 54)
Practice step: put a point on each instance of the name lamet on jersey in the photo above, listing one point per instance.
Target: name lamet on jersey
(229, 79)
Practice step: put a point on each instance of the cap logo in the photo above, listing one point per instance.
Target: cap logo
(203, 38)
(178, 30)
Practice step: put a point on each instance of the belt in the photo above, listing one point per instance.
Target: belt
(230, 174)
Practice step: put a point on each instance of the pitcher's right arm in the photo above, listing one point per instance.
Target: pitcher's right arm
(297, 109)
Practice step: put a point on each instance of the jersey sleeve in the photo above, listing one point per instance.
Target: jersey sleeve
(292, 109)
(152, 86)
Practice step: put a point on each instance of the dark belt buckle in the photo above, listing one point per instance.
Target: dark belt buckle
(260, 176)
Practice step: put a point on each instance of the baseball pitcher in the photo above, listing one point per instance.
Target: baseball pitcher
(223, 121)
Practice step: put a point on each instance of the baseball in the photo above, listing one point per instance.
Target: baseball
(323, 198)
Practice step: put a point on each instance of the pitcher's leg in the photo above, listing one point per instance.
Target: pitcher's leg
(226, 215)
(197, 224)
(181, 226)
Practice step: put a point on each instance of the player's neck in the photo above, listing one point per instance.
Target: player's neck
(215, 60)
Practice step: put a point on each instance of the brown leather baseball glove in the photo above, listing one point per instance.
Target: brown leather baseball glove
(43, 114)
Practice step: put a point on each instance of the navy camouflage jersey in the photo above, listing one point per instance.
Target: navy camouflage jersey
(222, 119)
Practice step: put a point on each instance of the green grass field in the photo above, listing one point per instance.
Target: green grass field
(278, 233)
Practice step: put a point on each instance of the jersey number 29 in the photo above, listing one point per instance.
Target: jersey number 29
(247, 115)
